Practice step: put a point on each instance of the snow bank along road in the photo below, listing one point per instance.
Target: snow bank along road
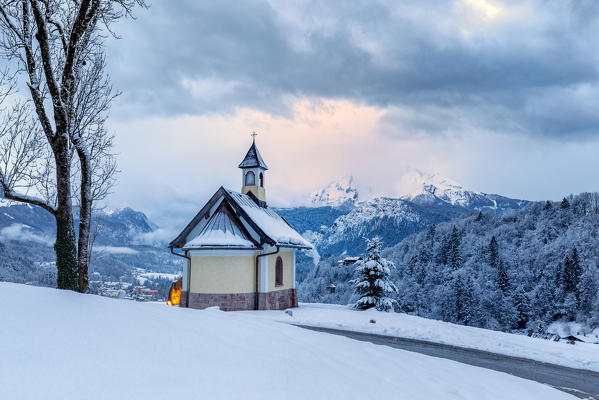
(579, 356)
(585, 383)
(60, 345)
(557, 364)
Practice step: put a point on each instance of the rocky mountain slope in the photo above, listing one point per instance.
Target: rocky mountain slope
(336, 194)
(423, 187)
(427, 199)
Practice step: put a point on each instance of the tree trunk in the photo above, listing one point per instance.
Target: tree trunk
(85, 212)
(82, 254)
(66, 251)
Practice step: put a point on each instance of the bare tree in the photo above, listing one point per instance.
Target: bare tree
(23, 157)
(70, 95)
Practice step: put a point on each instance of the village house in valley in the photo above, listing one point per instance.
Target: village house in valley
(240, 253)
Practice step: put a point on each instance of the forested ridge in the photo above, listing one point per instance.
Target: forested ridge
(521, 270)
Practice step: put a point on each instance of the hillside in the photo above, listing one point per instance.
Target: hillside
(541, 267)
(98, 348)
(124, 245)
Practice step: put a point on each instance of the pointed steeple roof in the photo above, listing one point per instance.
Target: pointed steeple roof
(253, 158)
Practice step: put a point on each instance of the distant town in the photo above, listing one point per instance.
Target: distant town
(146, 286)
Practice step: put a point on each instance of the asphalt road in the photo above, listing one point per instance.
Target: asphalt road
(583, 383)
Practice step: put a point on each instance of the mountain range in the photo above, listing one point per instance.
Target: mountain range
(335, 220)
(122, 246)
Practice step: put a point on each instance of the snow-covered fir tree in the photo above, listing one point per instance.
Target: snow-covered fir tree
(373, 283)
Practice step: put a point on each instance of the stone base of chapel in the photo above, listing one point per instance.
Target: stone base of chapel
(277, 300)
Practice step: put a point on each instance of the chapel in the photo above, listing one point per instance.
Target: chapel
(240, 254)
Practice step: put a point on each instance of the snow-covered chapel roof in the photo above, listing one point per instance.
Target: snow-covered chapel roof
(253, 158)
(222, 230)
(234, 220)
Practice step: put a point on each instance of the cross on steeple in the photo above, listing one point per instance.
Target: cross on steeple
(254, 134)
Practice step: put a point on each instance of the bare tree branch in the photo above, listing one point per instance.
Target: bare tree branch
(43, 39)
(20, 145)
(64, 69)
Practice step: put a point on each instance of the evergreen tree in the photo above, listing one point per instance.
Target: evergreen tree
(459, 290)
(468, 302)
(547, 205)
(494, 253)
(521, 307)
(421, 275)
(576, 270)
(373, 283)
(479, 217)
(572, 273)
(556, 301)
(443, 255)
(559, 276)
(587, 291)
(462, 302)
(424, 257)
(430, 235)
(503, 280)
(570, 306)
(413, 264)
(454, 256)
(541, 300)
(565, 204)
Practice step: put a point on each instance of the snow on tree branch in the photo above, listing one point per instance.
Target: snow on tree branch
(373, 283)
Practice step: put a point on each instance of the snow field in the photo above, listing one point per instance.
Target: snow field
(64, 345)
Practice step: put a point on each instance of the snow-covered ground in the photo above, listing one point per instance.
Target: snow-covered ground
(580, 355)
(581, 331)
(64, 345)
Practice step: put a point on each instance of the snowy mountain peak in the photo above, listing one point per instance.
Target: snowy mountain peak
(423, 186)
(336, 193)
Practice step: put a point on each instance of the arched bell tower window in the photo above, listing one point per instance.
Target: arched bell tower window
(250, 179)
(279, 272)
(261, 179)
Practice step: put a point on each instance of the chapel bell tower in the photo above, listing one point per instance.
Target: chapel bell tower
(253, 169)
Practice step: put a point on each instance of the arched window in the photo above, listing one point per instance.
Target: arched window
(250, 179)
(261, 180)
(279, 272)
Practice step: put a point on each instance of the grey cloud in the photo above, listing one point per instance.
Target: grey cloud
(537, 77)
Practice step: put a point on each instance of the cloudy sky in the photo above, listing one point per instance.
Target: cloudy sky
(500, 96)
